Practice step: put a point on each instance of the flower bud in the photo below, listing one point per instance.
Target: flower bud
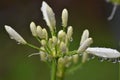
(39, 31)
(33, 29)
(60, 67)
(43, 42)
(85, 45)
(84, 57)
(14, 35)
(61, 34)
(69, 32)
(60, 61)
(64, 17)
(75, 58)
(44, 33)
(43, 56)
(67, 60)
(85, 36)
(54, 40)
(63, 47)
(48, 15)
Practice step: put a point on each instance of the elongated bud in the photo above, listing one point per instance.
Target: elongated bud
(48, 15)
(84, 57)
(39, 31)
(63, 47)
(85, 36)
(69, 32)
(68, 61)
(43, 56)
(14, 35)
(45, 33)
(75, 58)
(33, 29)
(50, 42)
(43, 42)
(61, 34)
(64, 17)
(60, 67)
(54, 40)
(85, 45)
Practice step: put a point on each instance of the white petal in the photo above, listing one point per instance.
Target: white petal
(103, 52)
(14, 35)
(48, 15)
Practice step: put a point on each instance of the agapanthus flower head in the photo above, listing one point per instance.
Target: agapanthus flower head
(55, 48)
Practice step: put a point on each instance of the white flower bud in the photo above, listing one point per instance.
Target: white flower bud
(50, 41)
(60, 67)
(43, 42)
(63, 47)
(84, 57)
(48, 15)
(103, 52)
(14, 35)
(43, 56)
(45, 33)
(61, 34)
(61, 61)
(39, 31)
(85, 36)
(69, 32)
(54, 40)
(68, 61)
(64, 17)
(75, 58)
(33, 29)
(85, 45)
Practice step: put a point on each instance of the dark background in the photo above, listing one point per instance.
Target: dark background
(83, 14)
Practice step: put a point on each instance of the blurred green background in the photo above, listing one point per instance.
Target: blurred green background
(90, 14)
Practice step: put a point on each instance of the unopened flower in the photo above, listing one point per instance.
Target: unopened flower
(45, 33)
(84, 36)
(14, 35)
(84, 57)
(33, 29)
(43, 56)
(54, 40)
(63, 47)
(39, 31)
(48, 15)
(75, 58)
(61, 34)
(64, 17)
(43, 42)
(69, 32)
(85, 45)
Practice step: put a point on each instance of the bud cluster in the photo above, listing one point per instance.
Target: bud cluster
(56, 47)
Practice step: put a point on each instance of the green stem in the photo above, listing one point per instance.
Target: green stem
(32, 46)
(53, 72)
(38, 39)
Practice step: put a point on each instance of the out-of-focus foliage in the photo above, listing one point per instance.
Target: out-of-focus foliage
(115, 1)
